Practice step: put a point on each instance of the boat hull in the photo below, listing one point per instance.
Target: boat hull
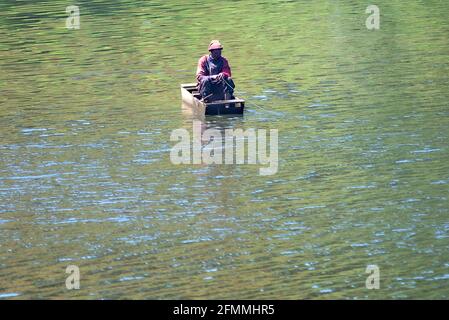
(190, 99)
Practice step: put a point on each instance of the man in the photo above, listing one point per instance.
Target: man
(213, 75)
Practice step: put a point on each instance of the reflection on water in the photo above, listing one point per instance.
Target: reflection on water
(86, 179)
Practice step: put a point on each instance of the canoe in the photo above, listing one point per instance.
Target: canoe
(191, 98)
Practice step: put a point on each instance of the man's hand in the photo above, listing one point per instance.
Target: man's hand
(222, 76)
(218, 77)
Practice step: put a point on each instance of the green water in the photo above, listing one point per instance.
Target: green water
(86, 178)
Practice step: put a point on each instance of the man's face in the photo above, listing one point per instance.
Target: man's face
(215, 53)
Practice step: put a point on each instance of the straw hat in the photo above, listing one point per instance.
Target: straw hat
(214, 45)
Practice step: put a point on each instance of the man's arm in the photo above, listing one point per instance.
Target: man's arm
(226, 69)
(201, 70)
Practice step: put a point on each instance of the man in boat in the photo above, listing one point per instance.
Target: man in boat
(213, 75)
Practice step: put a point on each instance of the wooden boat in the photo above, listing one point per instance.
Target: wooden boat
(191, 98)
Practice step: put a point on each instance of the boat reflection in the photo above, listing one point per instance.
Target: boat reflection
(220, 122)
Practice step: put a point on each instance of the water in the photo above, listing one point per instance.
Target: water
(86, 180)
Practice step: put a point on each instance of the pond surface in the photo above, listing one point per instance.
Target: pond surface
(86, 178)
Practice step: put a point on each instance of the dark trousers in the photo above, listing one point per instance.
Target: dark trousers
(211, 91)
